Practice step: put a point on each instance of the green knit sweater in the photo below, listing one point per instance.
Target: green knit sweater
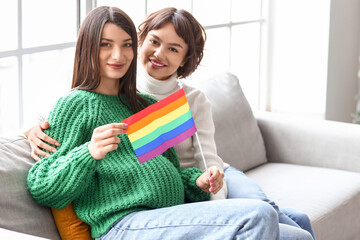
(105, 190)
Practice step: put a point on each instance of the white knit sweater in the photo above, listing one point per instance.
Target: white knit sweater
(188, 151)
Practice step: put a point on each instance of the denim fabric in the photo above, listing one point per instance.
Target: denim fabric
(300, 218)
(288, 232)
(222, 219)
(241, 186)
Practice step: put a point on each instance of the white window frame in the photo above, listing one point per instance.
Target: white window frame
(84, 7)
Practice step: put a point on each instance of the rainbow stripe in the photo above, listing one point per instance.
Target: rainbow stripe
(160, 126)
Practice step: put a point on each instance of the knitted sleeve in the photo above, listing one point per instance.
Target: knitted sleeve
(188, 176)
(57, 180)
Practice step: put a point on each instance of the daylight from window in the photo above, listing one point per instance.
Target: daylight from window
(36, 56)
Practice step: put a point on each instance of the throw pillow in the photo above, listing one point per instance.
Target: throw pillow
(69, 225)
(238, 138)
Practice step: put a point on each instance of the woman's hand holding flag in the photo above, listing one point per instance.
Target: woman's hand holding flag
(212, 182)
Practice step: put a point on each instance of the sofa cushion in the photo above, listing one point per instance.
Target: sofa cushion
(234, 122)
(19, 211)
(330, 197)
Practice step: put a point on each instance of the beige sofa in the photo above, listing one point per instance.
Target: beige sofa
(313, 166)
(309, 165)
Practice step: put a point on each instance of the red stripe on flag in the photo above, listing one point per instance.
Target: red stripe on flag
(154, 107)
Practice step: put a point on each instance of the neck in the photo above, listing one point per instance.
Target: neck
(152, 86)
(108, 87)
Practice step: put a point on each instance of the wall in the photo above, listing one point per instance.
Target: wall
(343, 62)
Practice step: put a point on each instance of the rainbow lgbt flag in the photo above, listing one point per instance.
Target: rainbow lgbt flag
(160, 126)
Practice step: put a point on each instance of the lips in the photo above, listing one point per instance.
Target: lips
(116, 66)
(156, 64)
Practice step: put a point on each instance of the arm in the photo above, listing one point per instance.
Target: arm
(319, 143)
(196, 183)
(193, 189)
(201, 110)
(58, 179)
(39, 140)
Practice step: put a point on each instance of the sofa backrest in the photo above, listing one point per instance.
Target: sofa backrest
(237, 135)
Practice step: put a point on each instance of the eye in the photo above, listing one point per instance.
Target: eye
(173, 50)
(105, 44)
(154, 42)
(128, 45)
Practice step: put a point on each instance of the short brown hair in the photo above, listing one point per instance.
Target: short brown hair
(187, 27)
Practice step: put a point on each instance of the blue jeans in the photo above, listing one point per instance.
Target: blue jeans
(288, 232)
(241, 186)
(222, 219)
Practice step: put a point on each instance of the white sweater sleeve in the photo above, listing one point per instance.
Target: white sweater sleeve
(201, 110)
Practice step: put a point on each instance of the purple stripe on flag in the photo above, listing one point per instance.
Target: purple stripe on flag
(168, 144)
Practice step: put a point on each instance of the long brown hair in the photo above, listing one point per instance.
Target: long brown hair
(86, 75)
(187, 27)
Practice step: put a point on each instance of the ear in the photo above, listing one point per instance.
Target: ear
(183, 63)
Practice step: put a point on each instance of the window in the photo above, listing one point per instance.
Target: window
(235, 30)
(36, 57)
(235, 33)
(299, 57)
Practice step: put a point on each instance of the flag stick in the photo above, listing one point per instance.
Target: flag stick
(202, 154)
(197, 138)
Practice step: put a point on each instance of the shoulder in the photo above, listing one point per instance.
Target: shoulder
(79, 98)
(194, 94)
(74, 96)
(73, 103)
(149, 99)
(71, 111)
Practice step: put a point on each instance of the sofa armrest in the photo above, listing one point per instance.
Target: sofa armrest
(319, 143)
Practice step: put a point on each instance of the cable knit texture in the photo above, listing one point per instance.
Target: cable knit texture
(188, 151)
(103, 191)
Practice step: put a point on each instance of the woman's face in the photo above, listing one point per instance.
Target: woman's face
(115, 54)
(163, 52)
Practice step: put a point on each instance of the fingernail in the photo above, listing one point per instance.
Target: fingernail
(211, 179)
(47, 154)
(54, 150)
(57, 144)
(212, 184)
(211, 189)
(125, 125)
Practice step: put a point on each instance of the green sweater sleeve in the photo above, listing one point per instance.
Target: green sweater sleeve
(57, 180)
(188, 176)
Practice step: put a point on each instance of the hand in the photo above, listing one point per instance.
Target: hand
(38, 139)
(212, 184)
(104, 140)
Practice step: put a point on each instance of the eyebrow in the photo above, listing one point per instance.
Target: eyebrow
(172, 44)
(110, 40)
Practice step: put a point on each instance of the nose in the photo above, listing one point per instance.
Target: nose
(116, 53)
(159, 52)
